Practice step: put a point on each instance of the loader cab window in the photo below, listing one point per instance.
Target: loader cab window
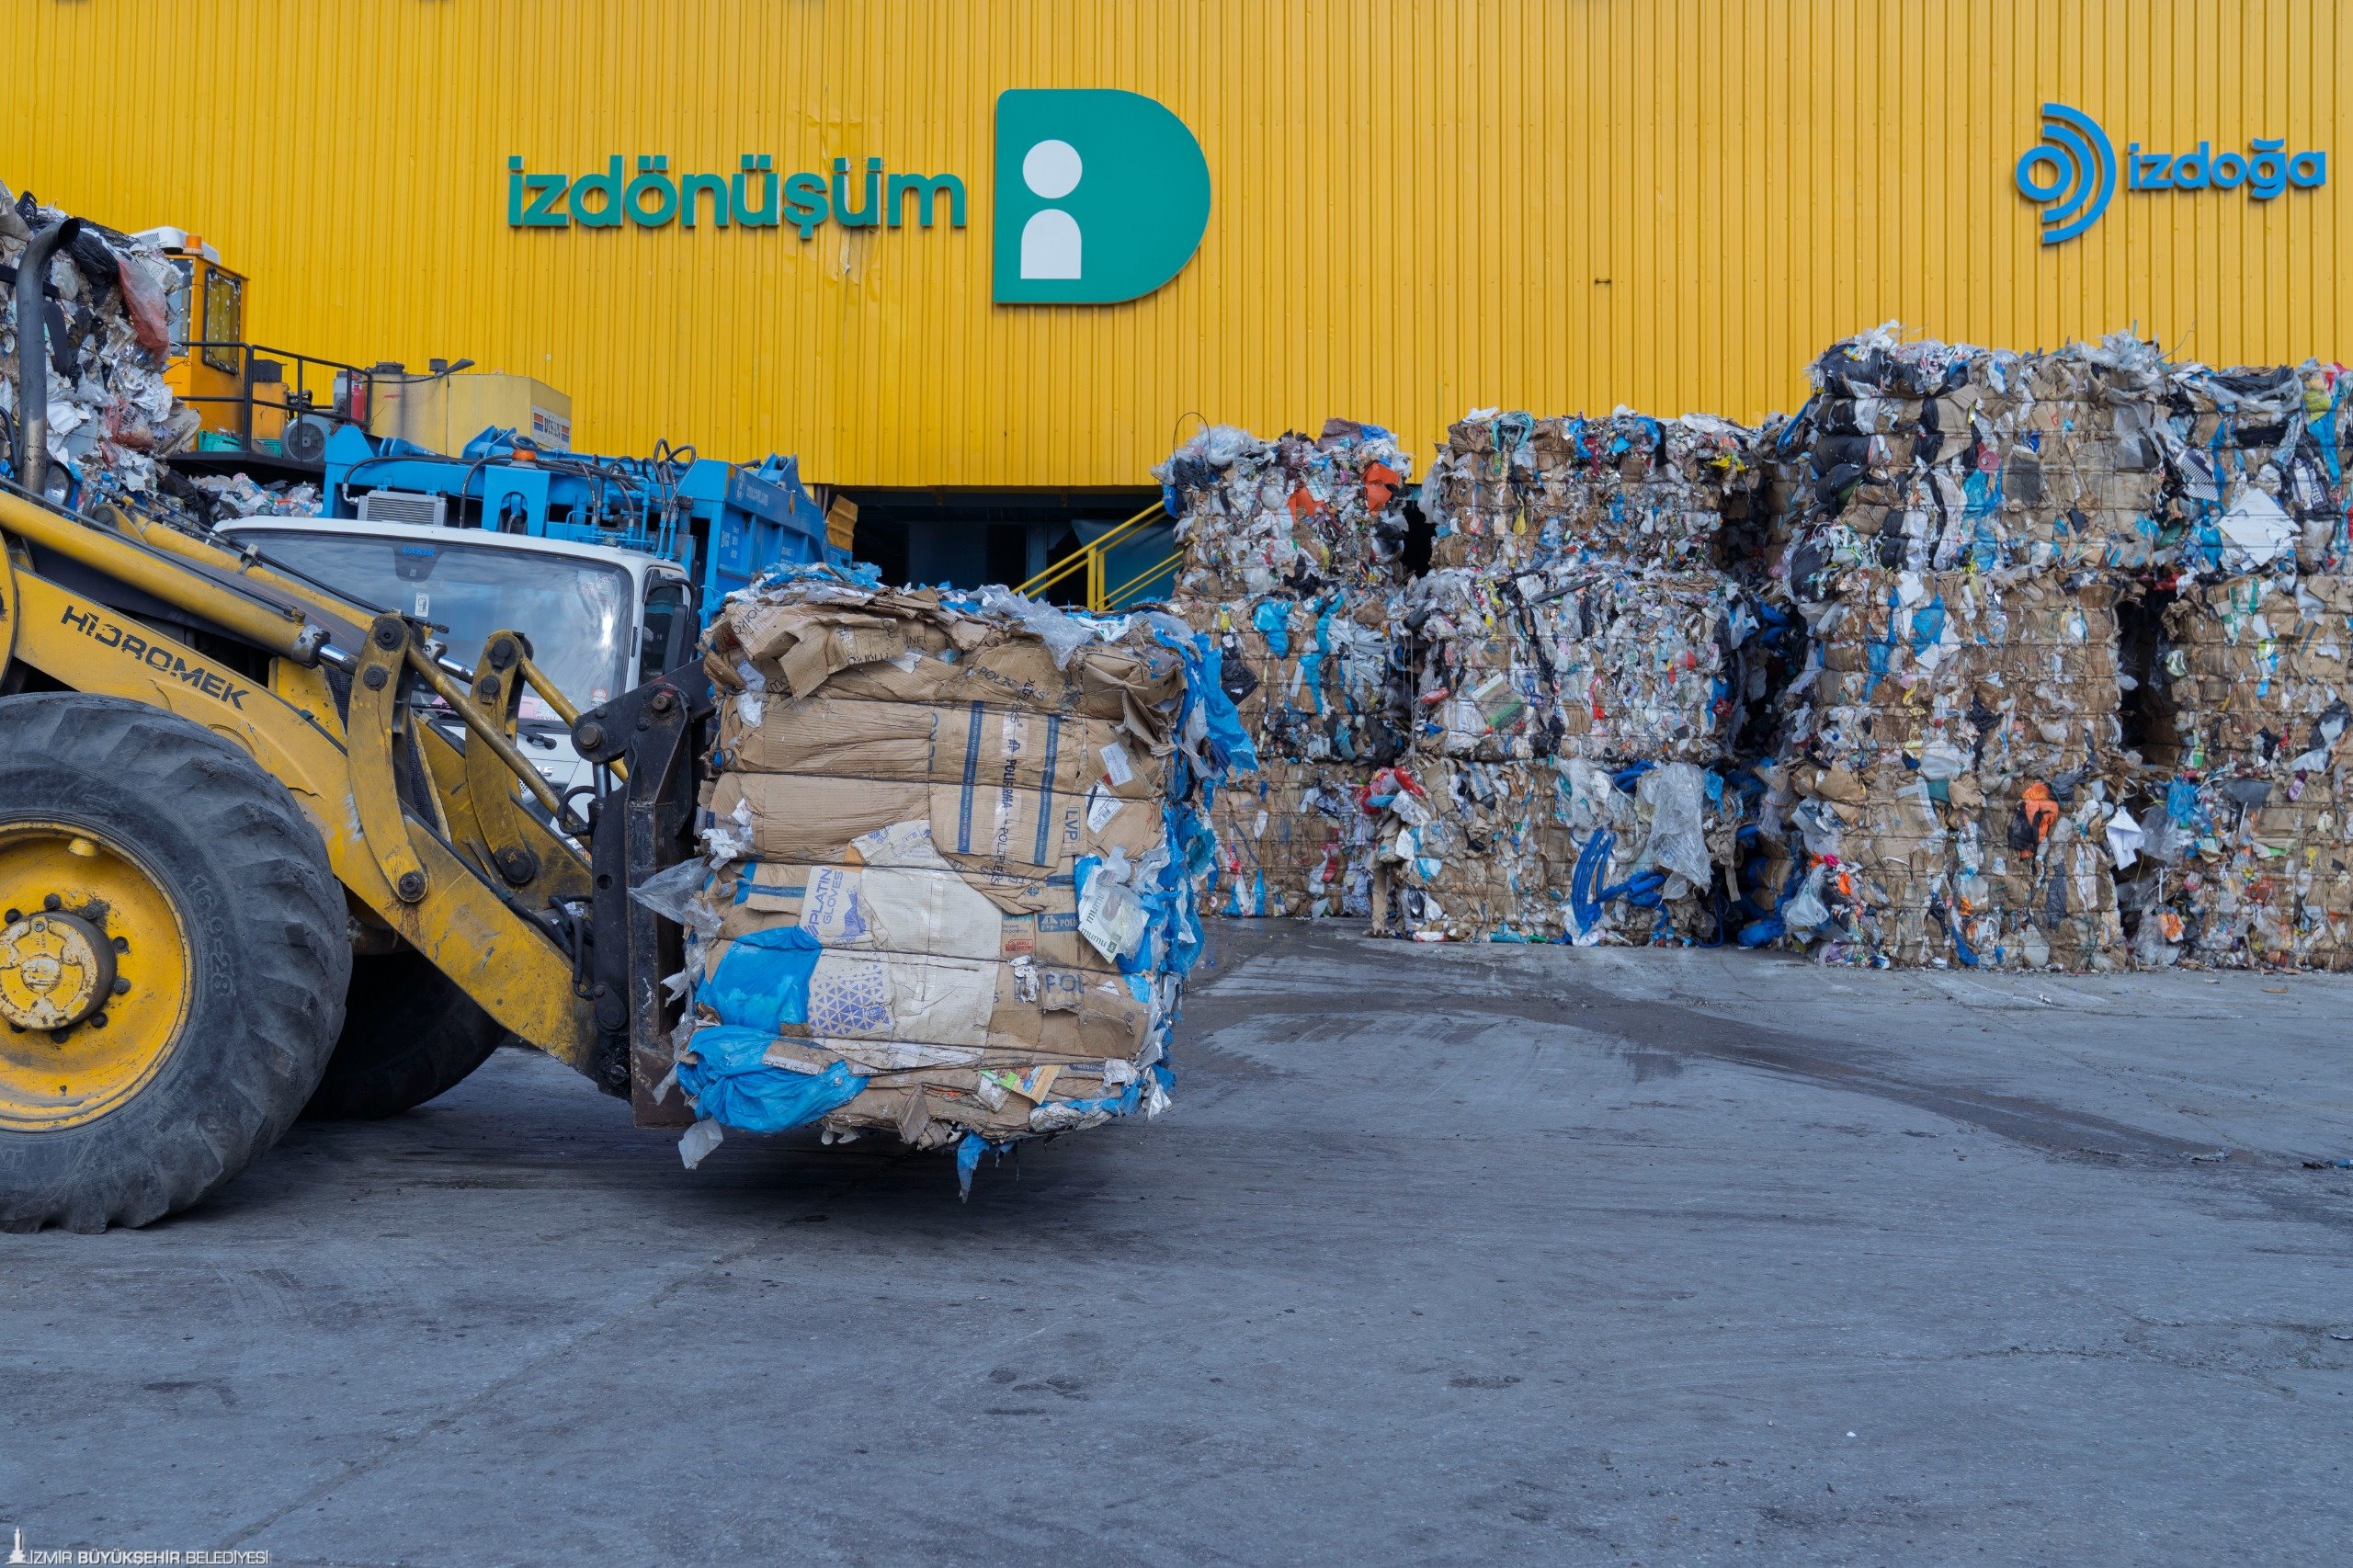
(224, 317)
(576, 611)
(668, 628)
(175, 300)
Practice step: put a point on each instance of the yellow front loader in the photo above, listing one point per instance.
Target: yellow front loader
(263, 849)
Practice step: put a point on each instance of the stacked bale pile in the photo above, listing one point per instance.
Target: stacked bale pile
(1964, 526)
(1291, 555)
(953, 844)
(1578, 635)
(2247, 843)
(1954, 768)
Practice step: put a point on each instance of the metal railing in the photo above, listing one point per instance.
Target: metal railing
(346, 398)
(1093, 559)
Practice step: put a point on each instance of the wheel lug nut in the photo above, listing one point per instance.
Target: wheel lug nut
(121, 986)
(52, 902)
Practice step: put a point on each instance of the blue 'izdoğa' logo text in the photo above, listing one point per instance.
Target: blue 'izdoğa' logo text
(2073, 170)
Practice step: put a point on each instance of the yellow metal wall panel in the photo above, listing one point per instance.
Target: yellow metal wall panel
(1418, 207)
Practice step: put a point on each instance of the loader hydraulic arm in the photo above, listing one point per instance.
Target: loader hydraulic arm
(330, 699)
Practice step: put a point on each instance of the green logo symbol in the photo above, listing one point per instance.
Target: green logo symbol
(1101, 196)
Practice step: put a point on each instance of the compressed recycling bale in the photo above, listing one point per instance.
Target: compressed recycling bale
(1458, 856)
(2003, 676)
(1579, 659)
(2254, 677)
(1929, 457)
(1901, 873)
(1293, 515)
(1311, 678)
(1557, 850)
(2258, 467)
(1291, 840)
(1510, 491)
(2246, 830)
(953, 841)
(2240, 873)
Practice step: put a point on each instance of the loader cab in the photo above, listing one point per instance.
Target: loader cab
(270, 410)
(601, 620)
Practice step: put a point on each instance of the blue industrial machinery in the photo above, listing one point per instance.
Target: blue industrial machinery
(726, 523)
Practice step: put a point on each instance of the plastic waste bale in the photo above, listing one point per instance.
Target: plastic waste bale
(2243, 843)
(1556, 850)
(1951, 756)
(1511, 491)
(1641, 855)
(1292, 841)
(1897, 872)
(1928, 457)
(1456, 853)
(1311, 678)
(1295, 514)
(2257, 458)
(1581, 658)
(954, 840)
(111, 415)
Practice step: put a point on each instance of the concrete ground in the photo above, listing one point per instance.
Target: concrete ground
(1444, 1255)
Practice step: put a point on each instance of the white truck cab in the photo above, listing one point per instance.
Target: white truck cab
(600, 620)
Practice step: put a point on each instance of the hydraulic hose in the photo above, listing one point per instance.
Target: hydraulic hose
(31, 456)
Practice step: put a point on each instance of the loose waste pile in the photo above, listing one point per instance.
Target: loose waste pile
(951, 850)
(1983, 659)
(110, 414)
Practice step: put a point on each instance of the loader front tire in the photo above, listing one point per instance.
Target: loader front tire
(174, 951)
(409, 1034)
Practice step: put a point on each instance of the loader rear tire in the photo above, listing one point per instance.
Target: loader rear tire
(143, 834)
(409, 1034)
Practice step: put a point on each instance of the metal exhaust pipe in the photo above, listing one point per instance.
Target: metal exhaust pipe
(31, 456)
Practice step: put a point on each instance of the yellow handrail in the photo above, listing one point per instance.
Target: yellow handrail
(1129, 590)
(1089, 559)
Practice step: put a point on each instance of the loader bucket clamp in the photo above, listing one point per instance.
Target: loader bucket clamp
(653, 736)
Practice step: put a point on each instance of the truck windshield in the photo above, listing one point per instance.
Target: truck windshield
(577, 612)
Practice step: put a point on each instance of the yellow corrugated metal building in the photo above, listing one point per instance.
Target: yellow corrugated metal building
(1416, 206)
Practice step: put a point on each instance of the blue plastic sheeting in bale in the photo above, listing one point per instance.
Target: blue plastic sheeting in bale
(762, 983)
(731, 1082)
